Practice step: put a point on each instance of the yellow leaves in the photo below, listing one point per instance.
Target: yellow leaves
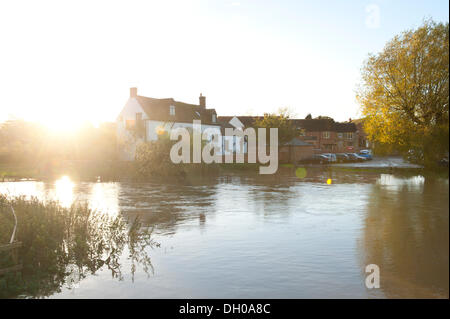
(404, 90)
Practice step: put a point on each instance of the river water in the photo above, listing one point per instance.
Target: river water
(304, 235)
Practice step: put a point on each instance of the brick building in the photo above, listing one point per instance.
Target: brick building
(328, 136)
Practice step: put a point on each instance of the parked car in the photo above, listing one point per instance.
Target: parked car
(415, 156)
(367, 154)
(342, 158)
(444, 162)
(315, 159)
(331, 157)
(355, 157)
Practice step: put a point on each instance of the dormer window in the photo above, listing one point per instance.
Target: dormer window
(214, 118)
(172, 110)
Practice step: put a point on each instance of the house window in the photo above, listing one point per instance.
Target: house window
(326, 134)
(339, 135)
(349, 135)
(302, 132)
(214, 118)
(172, 110)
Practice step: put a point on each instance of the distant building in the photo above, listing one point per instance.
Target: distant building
(144, 119)
(291, 152)
(294, 151)
(327, 135)
(363, 139)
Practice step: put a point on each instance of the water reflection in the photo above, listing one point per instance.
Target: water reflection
(393, 182)
(64, 191)
(103, 197)
(166, 206)
(274, 236)
(406, 235)
(62, 246)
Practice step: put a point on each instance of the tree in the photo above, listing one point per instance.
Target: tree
(153, 159)
(404, 93)
(280, 120)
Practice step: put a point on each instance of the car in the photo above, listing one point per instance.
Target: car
(355, 157)
(342, 158)
(331, 157)
(443, 162)
(415, 156)
(315, 159)
(367, 154)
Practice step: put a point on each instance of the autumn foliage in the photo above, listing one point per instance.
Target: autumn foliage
(404, 94)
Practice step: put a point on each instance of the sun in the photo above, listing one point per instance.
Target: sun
(67, 123)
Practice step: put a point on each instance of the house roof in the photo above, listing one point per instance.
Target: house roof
(297, 142)
(248, 121)
(315, 125)
(309, 138)
(344, 127)
(321, 125)
(159, 110)
(311, 125)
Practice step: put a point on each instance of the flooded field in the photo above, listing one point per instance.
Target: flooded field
(304, 235)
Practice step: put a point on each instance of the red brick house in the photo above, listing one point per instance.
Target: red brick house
(321, 135)
(328, 136)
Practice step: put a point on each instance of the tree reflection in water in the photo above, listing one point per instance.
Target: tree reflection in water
(61, 246)
(406, 233)
(164, 206)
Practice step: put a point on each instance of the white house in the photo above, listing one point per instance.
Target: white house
(143, 119)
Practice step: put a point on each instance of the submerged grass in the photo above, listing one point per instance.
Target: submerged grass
(60, 243)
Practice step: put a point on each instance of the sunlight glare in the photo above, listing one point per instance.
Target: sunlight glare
(64, 191)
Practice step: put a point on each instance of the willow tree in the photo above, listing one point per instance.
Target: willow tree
(404, 93)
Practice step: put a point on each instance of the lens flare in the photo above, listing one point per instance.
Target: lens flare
(300, 172)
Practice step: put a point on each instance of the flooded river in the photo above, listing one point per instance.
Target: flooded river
(304, 235)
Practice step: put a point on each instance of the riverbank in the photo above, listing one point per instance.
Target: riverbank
(115, 171)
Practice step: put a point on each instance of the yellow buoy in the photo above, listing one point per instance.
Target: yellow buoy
(329, 181)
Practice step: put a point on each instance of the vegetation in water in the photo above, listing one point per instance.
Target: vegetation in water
(61, 246)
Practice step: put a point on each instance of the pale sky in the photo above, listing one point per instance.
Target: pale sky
(68, 61)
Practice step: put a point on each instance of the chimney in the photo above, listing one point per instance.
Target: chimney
(133, 92)
(202, 100)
